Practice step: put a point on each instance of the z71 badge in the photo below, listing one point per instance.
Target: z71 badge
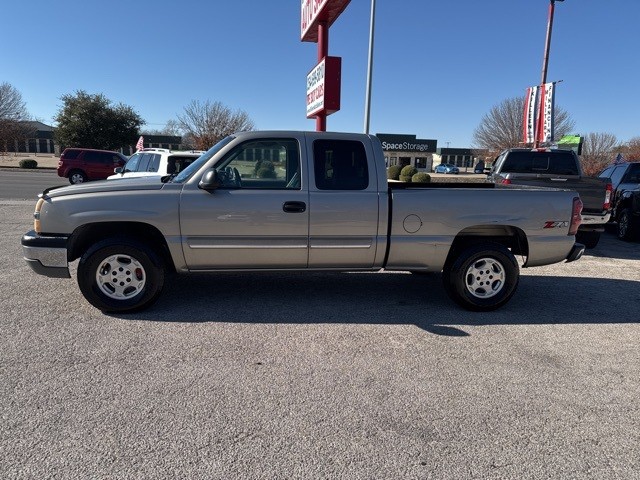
(556, 225)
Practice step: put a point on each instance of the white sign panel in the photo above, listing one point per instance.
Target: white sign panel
(315, 90)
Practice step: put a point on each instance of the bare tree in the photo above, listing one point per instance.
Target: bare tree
(12, 107)
(206, 123)
(13, 113)
(171, 128)
(632, 149)
(597, 151)
(501, 128)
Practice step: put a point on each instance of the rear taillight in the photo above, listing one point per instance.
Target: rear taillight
(607, 197)
(505, 181)
(576, 217)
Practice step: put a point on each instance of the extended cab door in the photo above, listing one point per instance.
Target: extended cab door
(344, 203)
(258, 218)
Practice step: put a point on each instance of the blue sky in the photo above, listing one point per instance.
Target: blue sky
(439, 66)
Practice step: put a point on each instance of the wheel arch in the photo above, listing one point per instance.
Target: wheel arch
(509, 236)
(87, 235)
(625, 201)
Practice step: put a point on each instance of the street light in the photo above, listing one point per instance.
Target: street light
(367, 106)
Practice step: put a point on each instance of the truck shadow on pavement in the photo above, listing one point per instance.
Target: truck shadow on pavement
(384, 298)
(610, 246)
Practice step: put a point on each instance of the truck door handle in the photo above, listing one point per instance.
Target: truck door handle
(294, 207)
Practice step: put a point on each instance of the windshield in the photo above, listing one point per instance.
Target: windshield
(204, 158)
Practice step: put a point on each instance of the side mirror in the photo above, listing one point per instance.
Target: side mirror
(209, 180)
(118, 170)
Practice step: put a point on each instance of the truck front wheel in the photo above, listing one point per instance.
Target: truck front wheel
(120, 275)
(482, 277)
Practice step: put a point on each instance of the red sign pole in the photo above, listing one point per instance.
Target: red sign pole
(323, 86)
(323, 51)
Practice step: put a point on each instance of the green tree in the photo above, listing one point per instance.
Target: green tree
(92, 121)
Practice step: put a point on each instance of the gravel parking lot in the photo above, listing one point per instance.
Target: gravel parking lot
(353, 376)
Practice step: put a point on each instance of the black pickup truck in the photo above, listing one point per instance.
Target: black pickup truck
(625, 199)
(558, 169)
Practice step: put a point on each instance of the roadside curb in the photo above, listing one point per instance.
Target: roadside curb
(12, 167)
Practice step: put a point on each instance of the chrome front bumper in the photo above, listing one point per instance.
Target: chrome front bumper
(46, 255)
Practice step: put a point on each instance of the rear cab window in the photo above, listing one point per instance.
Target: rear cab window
(177, 163)
(553, 163)
(340, 165)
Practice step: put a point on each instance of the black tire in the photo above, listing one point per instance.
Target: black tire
(77, 176)
(626, 227)
(588, 239)
(482, 278)
(107, 282)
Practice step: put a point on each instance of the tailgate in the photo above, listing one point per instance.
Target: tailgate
(592, 191)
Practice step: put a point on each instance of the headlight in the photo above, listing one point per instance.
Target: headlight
(36, 215)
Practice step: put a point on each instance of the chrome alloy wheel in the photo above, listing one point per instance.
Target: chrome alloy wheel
(485, 278)
(77, 178)
(120, 277)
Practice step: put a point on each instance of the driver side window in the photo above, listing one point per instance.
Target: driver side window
(262, 164)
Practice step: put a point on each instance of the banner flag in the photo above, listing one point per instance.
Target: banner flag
(547, 109)
(140, 144)
(539, 112)
(529, 120)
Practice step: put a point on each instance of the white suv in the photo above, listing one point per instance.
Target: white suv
(155, 162)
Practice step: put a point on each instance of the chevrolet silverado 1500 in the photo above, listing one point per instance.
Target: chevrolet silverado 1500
(270, 201)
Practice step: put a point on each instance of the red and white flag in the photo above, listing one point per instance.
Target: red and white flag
(538, 122)
(529, 120)
(140, 144)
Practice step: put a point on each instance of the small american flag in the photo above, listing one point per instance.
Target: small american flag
(140, 144)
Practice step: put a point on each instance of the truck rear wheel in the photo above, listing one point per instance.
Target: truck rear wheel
(120, 274)
(483, 277)
(77, 176)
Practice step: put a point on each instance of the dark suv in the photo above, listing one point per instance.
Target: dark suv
(625, 178)
(83, 164)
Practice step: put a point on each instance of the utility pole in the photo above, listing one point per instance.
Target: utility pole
(545, 59)
(547, 45)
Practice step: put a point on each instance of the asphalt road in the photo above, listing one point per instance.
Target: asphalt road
(27, 184)
(354, 376)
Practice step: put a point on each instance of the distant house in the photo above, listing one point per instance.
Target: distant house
(460, 157)
(38, 138)
(405, 149)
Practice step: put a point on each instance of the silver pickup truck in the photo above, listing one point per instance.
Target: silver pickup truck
(267, 201)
